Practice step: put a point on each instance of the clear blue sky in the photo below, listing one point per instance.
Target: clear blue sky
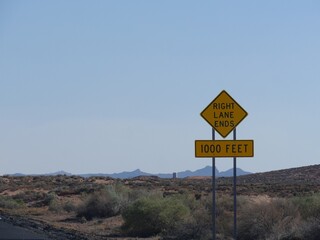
(108, 86)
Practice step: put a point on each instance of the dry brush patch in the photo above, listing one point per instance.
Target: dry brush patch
(57, 200)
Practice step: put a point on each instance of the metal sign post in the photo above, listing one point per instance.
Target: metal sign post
(235, 190)
(213, 192)
(224, 114)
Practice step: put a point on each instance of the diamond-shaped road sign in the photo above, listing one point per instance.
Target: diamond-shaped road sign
(224, 114)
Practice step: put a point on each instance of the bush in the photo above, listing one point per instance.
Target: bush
(176, 217)
(197, 224)
(106, 202)
(52, 201)
(10, 203)
(49, 198)
(224, 218)
(55, 206)
(274, 219)
(310, 229)
(152, 216)
(69, 207)
(309, 207)
(29, 196)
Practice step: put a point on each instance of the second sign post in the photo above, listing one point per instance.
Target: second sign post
(224, 114)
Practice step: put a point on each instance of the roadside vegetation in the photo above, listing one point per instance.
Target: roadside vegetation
(10, 203)
(185, 216)
(164, 209)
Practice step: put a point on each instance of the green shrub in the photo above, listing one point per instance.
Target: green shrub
(52, 201)
(98, 205)
(176, 217)
(49, 198)
(10, 203)
(69, 207)
(55, 206)
(197, 224)
(224, 216)
(274, 219)
(309, 206)
(106, 202)
(152, 216)
(29, 196)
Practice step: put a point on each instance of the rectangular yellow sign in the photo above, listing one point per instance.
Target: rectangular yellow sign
(224, 148)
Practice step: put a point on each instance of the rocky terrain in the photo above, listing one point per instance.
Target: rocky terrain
(49, 203)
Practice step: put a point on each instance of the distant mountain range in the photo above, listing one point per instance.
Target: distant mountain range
(206, 171)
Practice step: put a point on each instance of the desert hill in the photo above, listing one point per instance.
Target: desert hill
(306, 174)
(282, 183)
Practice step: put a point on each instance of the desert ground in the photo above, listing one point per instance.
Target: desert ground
(73, 207)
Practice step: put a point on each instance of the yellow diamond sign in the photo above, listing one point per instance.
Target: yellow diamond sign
(224, 114)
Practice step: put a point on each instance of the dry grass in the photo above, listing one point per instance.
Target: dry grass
(46, 199)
